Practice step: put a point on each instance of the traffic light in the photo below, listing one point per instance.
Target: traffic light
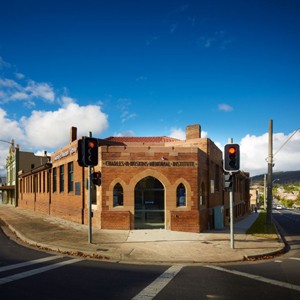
(96, 178)
(227, 181)
(232, 157)
(89, 151)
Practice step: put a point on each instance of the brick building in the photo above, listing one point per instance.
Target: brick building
(147, 182)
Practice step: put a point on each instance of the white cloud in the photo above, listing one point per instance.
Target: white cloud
(254, 152)
(177, 133)
(125, 133)
(50, 129)
(225, 107)
(3, 63)
(9, 128)
(180, 134)
(20, 75)
(218, 39)
(124, 105)
(40, 90)
(11, 90)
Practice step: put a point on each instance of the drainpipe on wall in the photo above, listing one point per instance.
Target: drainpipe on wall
(16, 175)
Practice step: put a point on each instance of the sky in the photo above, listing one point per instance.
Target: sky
(151, 68)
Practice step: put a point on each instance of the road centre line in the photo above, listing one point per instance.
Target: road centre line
(257, 277)
(158, 284)
(295, 258)
(29, 263)
(22, 275)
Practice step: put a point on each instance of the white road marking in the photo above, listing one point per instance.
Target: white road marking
(295, 258)
(158, 284)
(28, 263)
(22, 275)
(257, 277)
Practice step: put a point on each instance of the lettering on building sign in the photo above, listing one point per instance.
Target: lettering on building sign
(122, 163)
(65, 153)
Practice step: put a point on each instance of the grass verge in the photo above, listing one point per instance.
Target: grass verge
(261, 229)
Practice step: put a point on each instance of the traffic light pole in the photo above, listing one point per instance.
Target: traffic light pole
(231, 212)
(89, 205)
(231, 165)
(89, 201)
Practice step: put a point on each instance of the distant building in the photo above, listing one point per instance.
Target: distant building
(147, 182)
(18, 160)
(2, 183)
(254, 199)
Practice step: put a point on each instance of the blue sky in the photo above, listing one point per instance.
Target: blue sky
(150, 68)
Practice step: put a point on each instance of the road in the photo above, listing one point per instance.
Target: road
(30, 274)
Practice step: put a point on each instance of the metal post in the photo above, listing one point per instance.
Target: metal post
(270, 174)
(230, 141)
(231, 212)
(265, 191)
(89, 202)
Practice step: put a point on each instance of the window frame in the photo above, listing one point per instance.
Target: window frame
(180, 203)
(117, 193)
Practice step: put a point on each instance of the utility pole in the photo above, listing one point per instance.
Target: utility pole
(270, 174)
(90, 200)
(265, 191)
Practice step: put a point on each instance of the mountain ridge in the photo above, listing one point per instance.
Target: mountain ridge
(284, 177)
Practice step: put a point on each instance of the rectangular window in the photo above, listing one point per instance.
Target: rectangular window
(77, 188)
(70, 177)
(54, 180)
(61, 178)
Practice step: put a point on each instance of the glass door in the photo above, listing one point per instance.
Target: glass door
(149, 211)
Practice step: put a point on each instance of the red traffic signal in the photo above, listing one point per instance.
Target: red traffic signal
(88, 152)
(232, 158)
(91, 143)
(231, 150)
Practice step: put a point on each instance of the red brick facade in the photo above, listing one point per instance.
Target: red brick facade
(190, 170)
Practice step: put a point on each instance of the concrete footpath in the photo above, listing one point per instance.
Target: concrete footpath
(137, 246)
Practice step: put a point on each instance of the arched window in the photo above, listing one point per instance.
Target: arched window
(181, 195)
(118, 195)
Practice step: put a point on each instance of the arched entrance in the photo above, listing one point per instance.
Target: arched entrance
(149, 204)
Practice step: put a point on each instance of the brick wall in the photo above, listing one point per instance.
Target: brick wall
(119, 220)
(185, 221)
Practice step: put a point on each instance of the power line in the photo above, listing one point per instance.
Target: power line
(286, 142)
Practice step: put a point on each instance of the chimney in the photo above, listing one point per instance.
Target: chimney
(73, 134)
(193, 132)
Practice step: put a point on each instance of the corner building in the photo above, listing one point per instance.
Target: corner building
(147, 182)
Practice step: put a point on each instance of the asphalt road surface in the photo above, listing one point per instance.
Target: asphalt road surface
(30, 274)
